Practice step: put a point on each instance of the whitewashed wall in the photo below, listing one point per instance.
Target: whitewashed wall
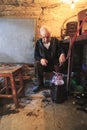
(16, 40)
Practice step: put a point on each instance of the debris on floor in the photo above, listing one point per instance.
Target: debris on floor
(39, 112)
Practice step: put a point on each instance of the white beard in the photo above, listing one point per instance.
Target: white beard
(47, 45)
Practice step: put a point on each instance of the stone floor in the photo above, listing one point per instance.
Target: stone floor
(38, 112)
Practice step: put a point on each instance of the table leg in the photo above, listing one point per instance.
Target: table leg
(6, 84)
(14, 91)
(21, 82)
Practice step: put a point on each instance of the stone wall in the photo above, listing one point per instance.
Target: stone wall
(55, 15)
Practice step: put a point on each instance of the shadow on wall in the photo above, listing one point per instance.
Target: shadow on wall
(4, 58)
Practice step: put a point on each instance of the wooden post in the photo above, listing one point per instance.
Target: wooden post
(70, 58)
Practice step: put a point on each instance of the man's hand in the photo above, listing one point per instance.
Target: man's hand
(62, 59)
(43, 62)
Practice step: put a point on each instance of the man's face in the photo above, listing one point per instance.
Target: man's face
(46, 38)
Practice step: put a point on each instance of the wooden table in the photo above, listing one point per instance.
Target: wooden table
(9, 75)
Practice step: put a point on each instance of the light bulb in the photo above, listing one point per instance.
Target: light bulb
(72, 5)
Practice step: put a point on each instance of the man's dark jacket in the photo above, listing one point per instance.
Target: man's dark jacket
(50, 54)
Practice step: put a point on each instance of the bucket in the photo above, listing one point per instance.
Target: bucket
(58, 89)
(58, 93)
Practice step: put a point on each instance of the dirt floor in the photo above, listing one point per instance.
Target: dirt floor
(38, 112)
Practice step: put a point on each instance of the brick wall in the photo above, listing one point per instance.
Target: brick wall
(50, 13)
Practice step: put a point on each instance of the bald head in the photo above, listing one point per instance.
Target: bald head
(44, 31)
(45, 34)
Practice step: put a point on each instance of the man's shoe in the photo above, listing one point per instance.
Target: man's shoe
(37, 88)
